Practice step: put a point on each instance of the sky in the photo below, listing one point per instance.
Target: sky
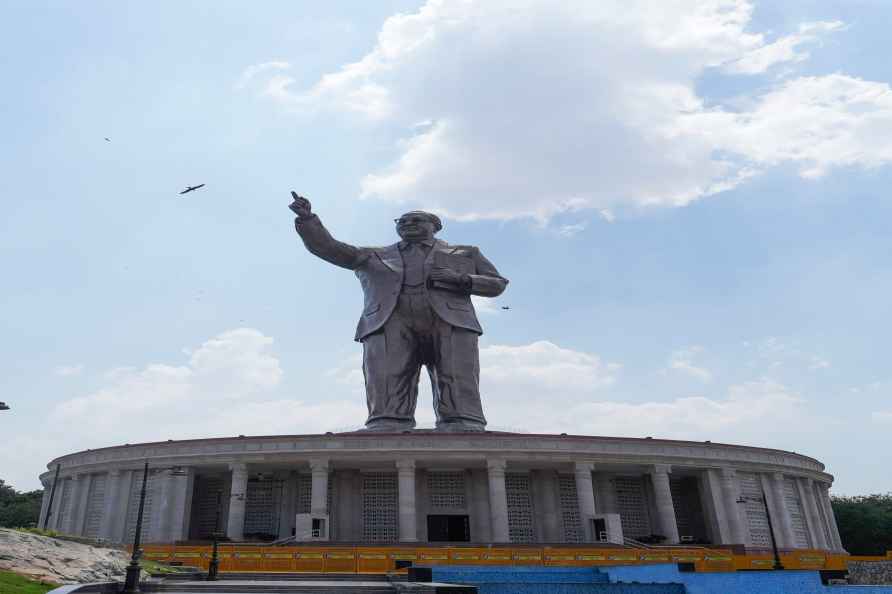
(690, 199)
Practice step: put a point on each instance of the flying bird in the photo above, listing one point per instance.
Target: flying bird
(3, 406)
(192, 189)
(505, 307)
(107, 139)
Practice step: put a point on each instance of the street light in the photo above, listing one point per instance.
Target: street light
(764, 501)
(131, 581)
(214, 565)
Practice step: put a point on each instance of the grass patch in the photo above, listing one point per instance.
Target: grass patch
(39, 531)
(13, 583)
(156, 567)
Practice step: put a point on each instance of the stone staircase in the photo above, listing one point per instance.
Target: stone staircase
(297, 583)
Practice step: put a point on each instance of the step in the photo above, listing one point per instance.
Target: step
(286, 576)
(272, 587)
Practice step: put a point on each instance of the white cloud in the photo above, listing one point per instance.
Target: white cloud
(68, 370)
(484, 305)
(747, 410)
(785, 49)
(543, 365)
(229, 385)
(571, 230)
(775, 353)
(682, 361)
(251, 72)
(535, 108)
(816, 123)
(550, 389)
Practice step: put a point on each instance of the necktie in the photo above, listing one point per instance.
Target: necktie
(414, 261)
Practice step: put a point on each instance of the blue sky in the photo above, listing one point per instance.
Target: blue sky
(691, 203)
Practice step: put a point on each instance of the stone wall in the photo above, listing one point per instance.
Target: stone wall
(870, 572)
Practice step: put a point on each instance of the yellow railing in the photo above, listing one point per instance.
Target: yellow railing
(381, 559)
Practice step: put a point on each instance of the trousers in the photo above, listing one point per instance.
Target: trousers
(415, 336)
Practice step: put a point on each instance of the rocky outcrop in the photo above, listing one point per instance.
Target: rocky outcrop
(59, 561)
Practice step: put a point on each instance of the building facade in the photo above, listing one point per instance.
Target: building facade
(423, 487)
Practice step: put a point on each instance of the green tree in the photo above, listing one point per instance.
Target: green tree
(865, 523)
(19, 510)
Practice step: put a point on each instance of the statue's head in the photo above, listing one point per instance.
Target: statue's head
(417, 225)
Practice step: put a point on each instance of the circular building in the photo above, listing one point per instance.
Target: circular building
(435, 487)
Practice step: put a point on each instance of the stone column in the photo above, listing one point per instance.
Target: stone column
(714, 507)
(545, 494)
(821, 529)
(80, 484)
(824, 500)
(111, 513)
(407, 513)
(159, 522)
(178, 494)
(737, 528)
(56, 510)
(498, 500)
(478, 506)
(238, 492)
(805, 486)
(783, 523)
(586, 496)
(289, 501)
(659, 476)
(44, 503)
(606, 498)
(319, 488)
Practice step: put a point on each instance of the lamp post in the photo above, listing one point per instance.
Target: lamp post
(214, 565)
(131, 581)
(764, 501)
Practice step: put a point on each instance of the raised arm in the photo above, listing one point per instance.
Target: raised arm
(319, 241)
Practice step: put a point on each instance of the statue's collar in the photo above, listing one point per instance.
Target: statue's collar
(426, 242)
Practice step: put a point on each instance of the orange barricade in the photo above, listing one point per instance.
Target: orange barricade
(382, 559)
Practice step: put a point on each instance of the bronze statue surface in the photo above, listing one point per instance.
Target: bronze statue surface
(418, 312)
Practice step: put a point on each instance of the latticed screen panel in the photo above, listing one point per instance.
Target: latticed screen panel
(304, 495)
(569, 501)
(446, 490)
(133, 503)
(520, 508)
(262, 507)
(797, 514)
(632, 506)
(204, 502)
(380, 512)
(95, 501)
(757, 520)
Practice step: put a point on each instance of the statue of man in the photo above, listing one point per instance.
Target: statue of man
(417, 311)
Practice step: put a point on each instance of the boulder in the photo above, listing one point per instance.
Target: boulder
(59, 561)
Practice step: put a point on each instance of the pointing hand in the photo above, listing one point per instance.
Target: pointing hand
(301, 206)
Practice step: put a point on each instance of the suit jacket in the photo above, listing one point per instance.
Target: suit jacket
(380, 272)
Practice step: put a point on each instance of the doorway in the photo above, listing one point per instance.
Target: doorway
(448, 528)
